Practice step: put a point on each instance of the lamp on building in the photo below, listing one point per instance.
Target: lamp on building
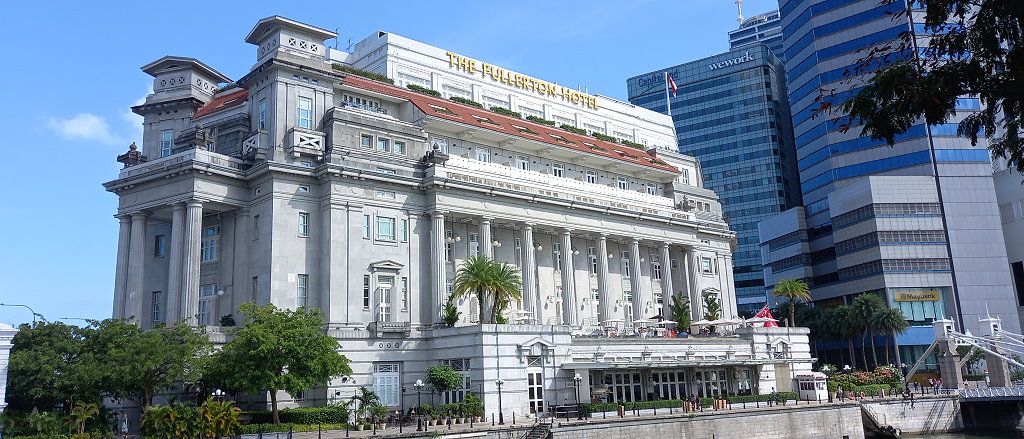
(579, 408)
(575, 252)
(539, 247)
(501, 415)
(643, 260)
(218, 395)
(454, 238)
(496, 243)
(610, 256)
(419, 385)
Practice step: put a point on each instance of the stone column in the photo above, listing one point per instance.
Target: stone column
(174, 276)
(569, 310)
(607, 307)
(486, 248)
(190, 262)
(124, 236)
(243, 248)
(640, 298)
(437, 271)
(333, 242)
(666, 277)
(530, 299)
(136, 265)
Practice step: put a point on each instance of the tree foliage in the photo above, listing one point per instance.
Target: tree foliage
(51, 365)
(495, 284)
(444, 378)
(970, 48)
(679, 310)
(280, 349)
(793, 290)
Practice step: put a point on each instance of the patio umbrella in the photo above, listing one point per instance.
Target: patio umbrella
(666, 322)
(657, 317)
(614, 321)
(642, 321)
(759, 320)
(700, 322)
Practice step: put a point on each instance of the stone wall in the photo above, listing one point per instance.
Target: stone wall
(834, 421)
(926, 416)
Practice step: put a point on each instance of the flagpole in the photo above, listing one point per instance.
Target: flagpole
(668, 101)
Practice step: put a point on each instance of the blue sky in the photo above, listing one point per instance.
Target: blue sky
(67, 92)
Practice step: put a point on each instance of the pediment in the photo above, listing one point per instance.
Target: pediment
(386, 265)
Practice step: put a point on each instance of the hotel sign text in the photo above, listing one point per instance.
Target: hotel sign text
(516, 80)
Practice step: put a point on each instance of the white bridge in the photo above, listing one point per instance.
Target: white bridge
(1001, 348)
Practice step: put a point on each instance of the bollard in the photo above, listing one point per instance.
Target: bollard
(492, 419)
(346, 429)
(289, 432)
(318, 431)
(757, 402)
(655, 410)
(374, 428)
(513, 418)
(260, 432)
(604, 415)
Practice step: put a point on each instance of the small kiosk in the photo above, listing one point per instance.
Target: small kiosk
(813, 386)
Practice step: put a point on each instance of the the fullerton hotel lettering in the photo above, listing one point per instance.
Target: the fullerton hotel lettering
(499, 74)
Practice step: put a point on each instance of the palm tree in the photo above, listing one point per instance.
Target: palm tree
(793, 290)
(890, 321)
(865, 306)
(845, 326)
(495, 284)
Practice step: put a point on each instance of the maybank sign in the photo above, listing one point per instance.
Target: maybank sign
(731, 62)
(498, 74)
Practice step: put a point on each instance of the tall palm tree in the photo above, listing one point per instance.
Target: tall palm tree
(792, 290)
(866, 306)
(890, 321)
(495, 284)
(846, 326)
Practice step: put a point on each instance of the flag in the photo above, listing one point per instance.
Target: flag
(765, 312)
(671, 84)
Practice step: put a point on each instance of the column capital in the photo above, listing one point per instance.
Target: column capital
(567, 231)
(140, 215)
(486, 219)
(634, 241)
(602, 236)
(665, 244)
(194, 203)
(123, 217)
(527, 226)
(437, 213)
(178, 206)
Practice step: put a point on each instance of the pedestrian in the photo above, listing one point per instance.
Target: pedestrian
(911, 399)
(771, 401)
(123, 425)
(841, 394)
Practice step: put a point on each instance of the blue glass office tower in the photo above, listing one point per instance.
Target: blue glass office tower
(764, 29)
(916, 223)
(730, 111)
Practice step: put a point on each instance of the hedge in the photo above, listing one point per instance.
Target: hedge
(589, 409)
(573, 129)
(423, 90)
(868, 389)
(632, 144)
(463, 100)
(604, 137)
(540, 120)
(974, 377)
(305, 415)
(363, 73)
(280, 428)
(507, 112)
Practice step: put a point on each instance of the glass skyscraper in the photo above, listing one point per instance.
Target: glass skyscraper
(730, 111)
(764, 29)
(916, 223)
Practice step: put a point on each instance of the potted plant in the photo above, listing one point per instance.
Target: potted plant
(379, 415)
(450, 315)
(474, 407)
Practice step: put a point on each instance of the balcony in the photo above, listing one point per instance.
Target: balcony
(303, 141)
(197, 155)
(390, 329)
(568, 189)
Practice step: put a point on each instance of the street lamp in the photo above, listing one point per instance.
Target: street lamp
(34, 313)
(501, 415)
(579, 408)
(419, 388)
(218, 394)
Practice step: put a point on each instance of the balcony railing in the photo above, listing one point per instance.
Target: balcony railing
(305, 141)
(509, 177)
(198, 155)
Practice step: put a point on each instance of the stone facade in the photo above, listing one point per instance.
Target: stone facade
(6, 337)
(362, 198)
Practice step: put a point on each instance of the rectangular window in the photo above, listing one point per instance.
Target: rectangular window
(399, 147)
(684, 176)
(303, 224)
(263, 114)
(387, 384)
(558, 170)
(656, 267)
(385, 194)
(592, 255)
(518, 252)
(522, 162)
(255, 227)
(556, 255)
(159, 245)
(461, 365)
(207, 294)
(405, 293)
(483, 154)
(652, 189)
(301, 289)
(156, 306)
(387, 171)
(304, 113)
(385, 228)
(625, 265)
(404, 230)
(366, 141)
(706, 265)
(591, 177)
(449, 244)
(1017, 269)
(366, 226)
(366, 291)
(165, 142)
(383, 145)
(208, 249)
(622, 183)
(474, 244)
(255, 286)
(385, 287)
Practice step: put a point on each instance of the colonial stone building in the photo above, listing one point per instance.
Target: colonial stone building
(301, 184)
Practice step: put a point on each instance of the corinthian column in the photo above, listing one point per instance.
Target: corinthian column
(606, 310)
(124, 237)
(529, 271)
(639, 295)
(437, 269)
(486, 248)
(666, 275)
(174, 276)
(569, 310)
(136, 267)
(190, 262)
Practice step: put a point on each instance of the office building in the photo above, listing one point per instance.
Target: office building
(730, 112)
(916, 223)
(764, 29)
(306, 183)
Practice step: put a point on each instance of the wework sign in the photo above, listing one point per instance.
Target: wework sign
(747, 57)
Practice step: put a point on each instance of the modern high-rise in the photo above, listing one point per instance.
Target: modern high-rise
(310, 183)
(764, 29)
(730, 111)
(916, 223)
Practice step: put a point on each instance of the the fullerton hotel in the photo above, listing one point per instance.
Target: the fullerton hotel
(301, 184)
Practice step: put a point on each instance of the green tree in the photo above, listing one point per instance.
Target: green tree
(50, 366)
(444, 379)
(975, 48)
(679, 310)
(792, 290)
(495, 284)
(82, 413)
(280, 349)
(866, 306)
(140, 364)
(890, 321)
(712, 307)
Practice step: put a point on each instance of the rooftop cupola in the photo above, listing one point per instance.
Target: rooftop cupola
(279, 37)
(176, 77)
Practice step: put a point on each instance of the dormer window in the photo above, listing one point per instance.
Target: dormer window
(525, 130)
(485, 120)
(561, 139)
(443, 110)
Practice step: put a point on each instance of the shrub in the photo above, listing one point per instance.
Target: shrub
(271, 428)
(305, 415)
(363, 73)
(507, 112)
(573, 129)
(463, 100)
(423, 90)
(540, 120)
(589, 409)
(974, 377)
(604, 137)
(632, 144)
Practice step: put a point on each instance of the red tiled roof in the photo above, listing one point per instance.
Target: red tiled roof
(501, 123)
(223, 102)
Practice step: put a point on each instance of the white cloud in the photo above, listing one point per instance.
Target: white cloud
(85, 126)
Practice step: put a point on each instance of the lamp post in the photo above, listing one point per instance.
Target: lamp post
(579, 408)
(501, 415)
(419, 388)
(34, 313)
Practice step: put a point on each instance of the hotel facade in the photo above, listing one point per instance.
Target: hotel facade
(301, 184)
